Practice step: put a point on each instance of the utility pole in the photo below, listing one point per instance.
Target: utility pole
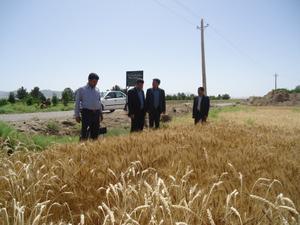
(275, 75)
(202, 27)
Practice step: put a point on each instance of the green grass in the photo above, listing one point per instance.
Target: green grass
(296, 109)
(44, 141)
(13, 138)
(250, 121)
(52, 126)
(34, 142)
(214, 114)
(117, 131)
(20, 107)
(232, 100)
(211, 101)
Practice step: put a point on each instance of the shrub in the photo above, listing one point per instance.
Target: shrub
(68, 94)
(22, 93)
(29, 101)
(11, 98)
(3, 102)
(52, 127)
(54, 100)
(48, 102)
(225, 96)
(65, 98)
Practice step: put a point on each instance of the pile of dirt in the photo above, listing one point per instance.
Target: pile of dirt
(276, 97)
(49, 127)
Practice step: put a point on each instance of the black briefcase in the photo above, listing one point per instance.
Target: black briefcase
(102, 130)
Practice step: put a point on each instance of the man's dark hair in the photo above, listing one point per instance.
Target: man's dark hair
(201, 88)
(157, 80)
(93, 76)
(139, 81)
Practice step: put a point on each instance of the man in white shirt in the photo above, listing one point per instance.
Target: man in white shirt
(88, 108)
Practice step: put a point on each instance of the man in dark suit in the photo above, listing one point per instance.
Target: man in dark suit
(201, 106)
(155, 103)
(136, 106)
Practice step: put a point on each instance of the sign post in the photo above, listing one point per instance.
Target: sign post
(131, 78)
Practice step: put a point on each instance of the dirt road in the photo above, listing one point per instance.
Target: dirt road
(35, 116)
(65, 115)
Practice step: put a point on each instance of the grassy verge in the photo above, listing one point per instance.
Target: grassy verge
(212, 101)
(296, 109)
(21, 107)
(11, 139)
(117, 131)
(214, 114)
(14, 140)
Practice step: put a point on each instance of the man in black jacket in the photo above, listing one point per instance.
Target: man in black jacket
(155, 103)
(201, 106)
(136, 106)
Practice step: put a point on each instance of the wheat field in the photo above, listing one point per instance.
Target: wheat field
(228, 171)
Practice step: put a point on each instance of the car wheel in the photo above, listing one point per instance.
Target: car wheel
(102, 107)
(112, 110)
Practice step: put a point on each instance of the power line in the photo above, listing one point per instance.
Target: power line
(228, 41)
(234, 46)
(174, 12)
(187, 8)
(213, 28)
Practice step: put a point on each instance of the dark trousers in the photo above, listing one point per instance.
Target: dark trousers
(200, 118)
(90, 124)
(154, 117)
(137, 122)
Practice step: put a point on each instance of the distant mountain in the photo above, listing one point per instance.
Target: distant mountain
(4, 94)
(47, 93)
(50, 93)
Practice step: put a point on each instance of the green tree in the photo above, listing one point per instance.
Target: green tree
(69, 94)
(35, 93)
(54, 100)
(12, 98)
(22, 93)
(225, 96)
(116, 88)
(29, 100)
(3, 102)
(42, 97)
(65, 98)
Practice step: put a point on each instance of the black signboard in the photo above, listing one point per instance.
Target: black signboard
(132, 76)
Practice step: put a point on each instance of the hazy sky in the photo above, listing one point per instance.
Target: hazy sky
(54, 44)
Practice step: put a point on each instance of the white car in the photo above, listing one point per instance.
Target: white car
(112, 100)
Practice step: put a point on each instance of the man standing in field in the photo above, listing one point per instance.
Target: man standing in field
(201, 106)
(155, 103)
(88, 108)
(136, 106)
